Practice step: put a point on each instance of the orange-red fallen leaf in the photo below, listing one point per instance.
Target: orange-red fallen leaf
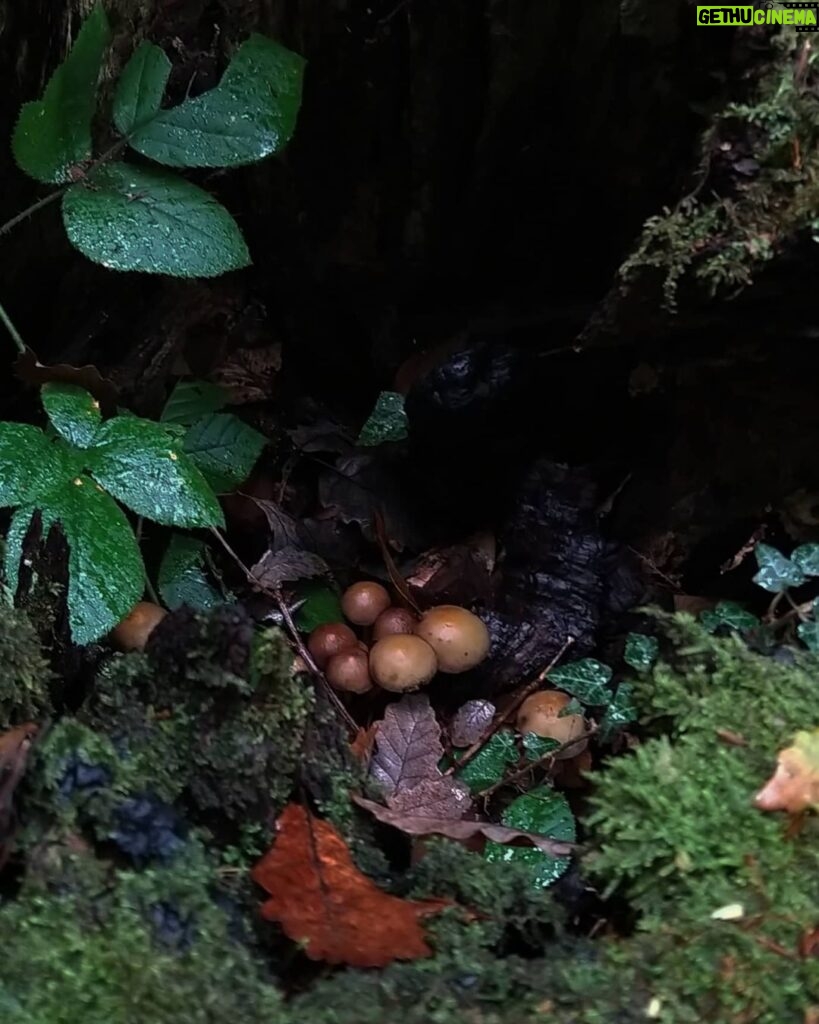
(809, 943)
(362, 743)
(323, 901)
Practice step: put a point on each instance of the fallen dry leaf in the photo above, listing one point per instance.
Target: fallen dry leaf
(288, 565)
(249, 375)
(471, 722)
(440, 797)
(408, 745)
(362, 744)
(463, 830)
(14, 747)
(29, 368)
(325, 903)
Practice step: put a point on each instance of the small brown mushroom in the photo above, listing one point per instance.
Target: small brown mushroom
(459, 638)
(402, 662)
(540, 714)
(363, 602)
(349, 671)
(392, 622)
(329, 639)
(132, 633)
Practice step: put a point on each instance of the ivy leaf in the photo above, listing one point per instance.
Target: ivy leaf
(182, 577)
(620, 713)
(53, 134)
(141, 87)
(806, 558)
(776, 573)
(641, 651)
(321, 605)
(809, 634)
(248, 116)
(535, 747)
(547, 813)
(585, 679)
(224, 448)
(192, 399)
(490, 763)
(471, 721)
(73, 411)
(30, 463)
(106, 577)
(730, 614)
(136, 218)
(387, 422)
(132, 459)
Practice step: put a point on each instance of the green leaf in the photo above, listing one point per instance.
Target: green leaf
(490, 764)
(190, 400)
(809, 634)
(387, 422)
(248, 116)
(730, 614)
(776, 573)
(585, 679)
(18, 528)
(224, 448)
(30, 463)
(53, 134)
(806, 558)
(641, 651)
(141, 87)
(182, 578)
(106, 576)
(136, 218)
(132, 460)
(547, 813)
(321, 605)
(74, 413)
(620, 713)
(535, 747)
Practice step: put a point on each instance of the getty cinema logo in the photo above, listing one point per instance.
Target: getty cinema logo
(803, 16)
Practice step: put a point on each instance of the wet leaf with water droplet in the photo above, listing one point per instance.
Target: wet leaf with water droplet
(140, 87)
(74, 413)
(30, 463)
(182, 578)
(585, 679)
(224, 448)
(387, 422)
(53, 134)
(545, 812)
(192, 399)
(134, 218)
(248, 116)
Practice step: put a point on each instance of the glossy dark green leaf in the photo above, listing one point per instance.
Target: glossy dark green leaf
(321, 605)
(13, 553)
(641, 651)
(105, 573)
(224, 448)
(192, 399)
(620, 713)
(140, 88)
(585, 679)
(387, 422)
(806, 558)
(136, 218)
(248, 116)
(30, 464)
(133, 460)
(53, 134)
(535, 747)
(809, 634)
(491, 763)
(182, 576)
(776, 573)
(547, 813)
(73, 411)
(730, 614)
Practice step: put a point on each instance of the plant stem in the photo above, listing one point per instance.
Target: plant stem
(15, 334)
(542, 762)
(29, 210)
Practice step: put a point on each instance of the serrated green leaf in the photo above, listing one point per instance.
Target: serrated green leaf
(16, 535)
(133, 461)
(140, 88)
(136, 218)
(182, 577)
(547, 813)
(74, 413)
(806, 558)
(387, 422)
(106, 576)
(776, 573)
(30, 464)
(490, 764)
(192, 399)
(535, 747)
(248, 116)
(321, 605)
(585, 679)
(53, 134)
(641, 651)
(224, 448)
(620, 713)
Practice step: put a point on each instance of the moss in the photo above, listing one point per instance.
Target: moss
(24, 673)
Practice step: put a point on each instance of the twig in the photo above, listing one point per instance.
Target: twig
(29, 210)
(517, 700)
(550, 756)
(295, 636)
(15, 334)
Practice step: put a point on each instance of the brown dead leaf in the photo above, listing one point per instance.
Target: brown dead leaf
(29, 369)
(809, 943)
(362, 743)
(288, 565)
(408, 745)
(14, 747)
(249, 374)
(441, 797)
(458, 574)
(325, 903)
(471, 722)
(463, 830)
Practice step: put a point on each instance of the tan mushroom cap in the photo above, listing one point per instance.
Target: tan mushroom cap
(540, 714)
(402, 662)
(349, 671)
(132, 633)
(363, 602)
(392, 622)
(329, 639)
(459, 638)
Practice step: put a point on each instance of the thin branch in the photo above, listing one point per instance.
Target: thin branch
(541, 762)
(15, 334)
(30, 210)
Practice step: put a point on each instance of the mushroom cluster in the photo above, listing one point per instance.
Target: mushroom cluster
(405, 652)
